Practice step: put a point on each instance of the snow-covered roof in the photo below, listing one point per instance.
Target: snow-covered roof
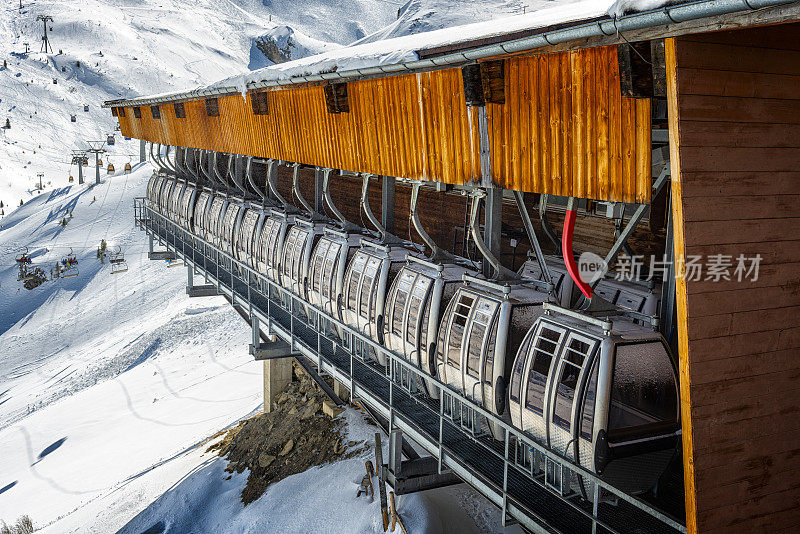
(561, 21)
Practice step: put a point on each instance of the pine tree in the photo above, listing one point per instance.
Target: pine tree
(21, 202)
(1, 204)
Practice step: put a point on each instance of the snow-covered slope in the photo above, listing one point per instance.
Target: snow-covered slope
(110, 383)
(105, 49)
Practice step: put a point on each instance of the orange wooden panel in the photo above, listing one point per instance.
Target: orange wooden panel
(564, 128)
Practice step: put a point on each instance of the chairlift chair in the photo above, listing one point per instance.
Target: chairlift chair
(110, 169)
(86, 108)
(99, 162)
(127, 169)
(110, 140)
(117, 261)
(71, 179)
(68, 266)
(73, 118)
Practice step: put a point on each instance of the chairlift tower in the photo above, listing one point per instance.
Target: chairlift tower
(96, 149)
(77, 159)
(40, 175)
(45, 40)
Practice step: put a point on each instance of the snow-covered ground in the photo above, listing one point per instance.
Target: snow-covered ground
(105, 49)
(110, 384)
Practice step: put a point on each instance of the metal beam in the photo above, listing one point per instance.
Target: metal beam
(388, 184)
(492, 224)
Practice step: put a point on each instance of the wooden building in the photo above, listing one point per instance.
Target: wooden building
(572, 119)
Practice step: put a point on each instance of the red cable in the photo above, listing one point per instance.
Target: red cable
(569, 258)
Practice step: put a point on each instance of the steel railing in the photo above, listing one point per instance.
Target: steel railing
(529, 482)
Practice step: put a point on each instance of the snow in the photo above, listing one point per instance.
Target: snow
(133, 47)
(111, 384)
(405, 49)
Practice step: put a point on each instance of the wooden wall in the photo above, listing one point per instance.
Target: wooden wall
(564, 128)
(735, 119)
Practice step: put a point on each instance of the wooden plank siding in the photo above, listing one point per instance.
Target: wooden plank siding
(734, 109)
(564, 128)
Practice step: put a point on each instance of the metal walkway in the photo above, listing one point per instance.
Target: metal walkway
(528, 482)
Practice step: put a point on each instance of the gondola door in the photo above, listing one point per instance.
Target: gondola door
(565, 392)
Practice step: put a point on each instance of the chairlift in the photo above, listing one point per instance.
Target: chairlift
(85, 160)
(117, 261)
(73, 118)
(99, 162)
(86, 107)
(110, 140)
(602, 391)
(110, 169)
(68, 266)
(127, 169)
(71, 179)
(24, 263)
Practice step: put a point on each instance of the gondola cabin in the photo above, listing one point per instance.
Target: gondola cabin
(231, 219)
(110, 140)
(247, 235)
(480, 332)
(564, 290)
(640, 297)
(200, 213)
(174, 207)
(635, 296)
(270, 243)
(369, 275)
(296, 257)
(417, 299)
(127, 169)
(165, 195)
(187, 205)
(328, 266)
(152, 187)
(604, 392)
(213, 219)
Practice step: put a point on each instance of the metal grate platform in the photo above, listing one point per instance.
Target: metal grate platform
(517, 474)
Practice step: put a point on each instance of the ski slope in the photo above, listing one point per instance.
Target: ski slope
(111, 383)
(105, 49)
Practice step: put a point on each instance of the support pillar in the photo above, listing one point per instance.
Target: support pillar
(80, 173)
(387, 202)
(97, 167)
(493, 221)
(277, 376)
(341, 391)
(319, 189)
(142, 152)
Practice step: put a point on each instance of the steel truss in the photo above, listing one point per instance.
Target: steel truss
(527, 481)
